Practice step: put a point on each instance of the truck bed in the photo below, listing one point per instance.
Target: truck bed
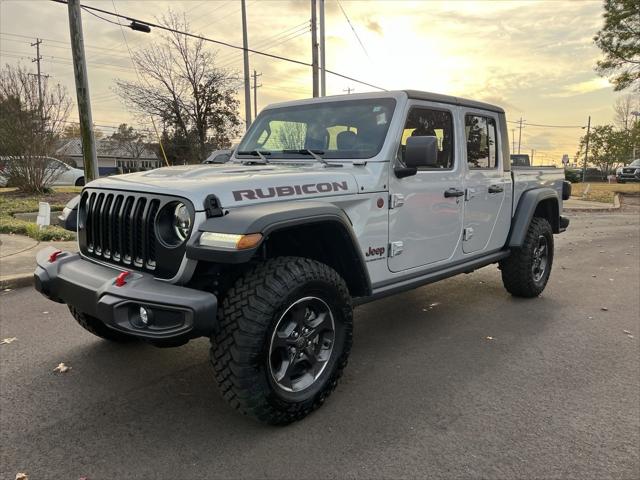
(526, 178)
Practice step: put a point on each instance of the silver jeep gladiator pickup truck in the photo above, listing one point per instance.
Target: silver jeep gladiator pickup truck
(326, 203)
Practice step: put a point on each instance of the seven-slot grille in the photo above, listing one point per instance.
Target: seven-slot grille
(120, 228)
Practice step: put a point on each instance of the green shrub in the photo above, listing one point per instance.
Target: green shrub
(11, 204)
(45, 234)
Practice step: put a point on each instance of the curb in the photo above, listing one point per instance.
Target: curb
(590, 210)
(16, 281)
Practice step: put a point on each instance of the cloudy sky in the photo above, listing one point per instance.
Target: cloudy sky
(534, 58)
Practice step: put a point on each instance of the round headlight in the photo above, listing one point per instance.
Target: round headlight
(181, 221)
(173, 224)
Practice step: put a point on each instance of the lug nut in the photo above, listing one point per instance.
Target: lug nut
(294, 334)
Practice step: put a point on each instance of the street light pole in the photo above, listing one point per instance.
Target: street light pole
(586, 151)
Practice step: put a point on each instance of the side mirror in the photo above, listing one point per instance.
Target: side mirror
(421, 152)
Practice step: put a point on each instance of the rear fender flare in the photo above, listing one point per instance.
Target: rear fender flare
(525, 211)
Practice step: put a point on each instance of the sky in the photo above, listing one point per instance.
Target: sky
(533, 58)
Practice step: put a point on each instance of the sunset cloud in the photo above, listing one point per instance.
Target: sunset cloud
(534, 58)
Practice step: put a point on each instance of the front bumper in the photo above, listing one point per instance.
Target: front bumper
(177, 313)
(628, 177)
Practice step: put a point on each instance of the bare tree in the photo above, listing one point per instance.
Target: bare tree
(30, 128)
(130, 140)
(291, 135)
(181, 84)
(624, 108)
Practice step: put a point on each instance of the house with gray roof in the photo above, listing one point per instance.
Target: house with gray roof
(113, 156)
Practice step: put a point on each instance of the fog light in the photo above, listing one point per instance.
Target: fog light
(144, 316)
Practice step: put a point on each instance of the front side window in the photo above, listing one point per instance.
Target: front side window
(348, 129)
(428, 122)
(481, 142)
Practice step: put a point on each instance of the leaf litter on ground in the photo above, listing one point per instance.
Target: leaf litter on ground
(62, 368)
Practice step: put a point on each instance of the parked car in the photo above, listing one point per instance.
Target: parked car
(67, 175)
(520, 160)
(629, 173)
(326, 204)
(219, 156)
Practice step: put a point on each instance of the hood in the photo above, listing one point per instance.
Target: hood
(237, 184)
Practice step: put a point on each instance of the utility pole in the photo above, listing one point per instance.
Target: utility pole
(532, 151)
(39, 75)
(513, 140)
(323, 57)
(82, 91)
(520, 135)
(348, 90)
(247, 75)
(255, 92)
(314, 49)
(586, 150)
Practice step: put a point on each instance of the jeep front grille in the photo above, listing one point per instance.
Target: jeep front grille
(119, 228)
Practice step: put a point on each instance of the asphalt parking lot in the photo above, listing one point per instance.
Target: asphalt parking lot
(453, 380)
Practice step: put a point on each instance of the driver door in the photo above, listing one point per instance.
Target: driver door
(425, 225)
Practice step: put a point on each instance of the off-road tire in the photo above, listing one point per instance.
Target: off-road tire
(248, 316)
(517, 269)
(99, 329)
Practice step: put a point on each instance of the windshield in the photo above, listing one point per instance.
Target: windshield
(347, 129)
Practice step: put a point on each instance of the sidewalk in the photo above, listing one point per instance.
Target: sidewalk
(18, 258)
(576, 205)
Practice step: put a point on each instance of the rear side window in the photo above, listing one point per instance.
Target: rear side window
(481, 142)
(428, 122)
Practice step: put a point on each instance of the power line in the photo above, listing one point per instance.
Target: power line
(135, 68)
(219, 42)
(271, 41)
(527, 124)
(353, 29)
(65, 44)
(63, 60)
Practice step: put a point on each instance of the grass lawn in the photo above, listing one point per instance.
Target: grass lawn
(12, 201)
(602, 192)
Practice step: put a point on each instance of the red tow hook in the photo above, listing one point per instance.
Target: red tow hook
(121, 279)
(54, 256)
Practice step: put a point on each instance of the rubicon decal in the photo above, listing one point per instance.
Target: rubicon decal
(290, 190)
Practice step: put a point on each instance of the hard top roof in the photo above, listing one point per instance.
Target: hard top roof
(412, 94)
(437, 97)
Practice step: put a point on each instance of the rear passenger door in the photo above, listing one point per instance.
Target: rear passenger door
(486, 215)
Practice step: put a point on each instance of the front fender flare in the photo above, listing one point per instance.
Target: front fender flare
(265, 219)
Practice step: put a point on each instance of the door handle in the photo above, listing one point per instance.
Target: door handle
(496, 189)
(453, 192)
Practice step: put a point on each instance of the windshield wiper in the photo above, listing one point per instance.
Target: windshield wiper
(315, 154)
(255, 153)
